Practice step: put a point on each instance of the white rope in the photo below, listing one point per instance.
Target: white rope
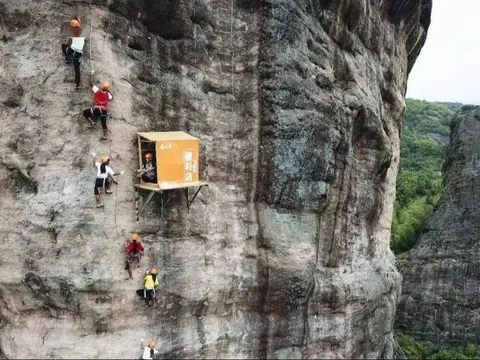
(92, 71)
(233, 80)
(195, 46)
(231, 49)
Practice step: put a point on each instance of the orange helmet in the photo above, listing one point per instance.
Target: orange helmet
(148, 156)
(105, 86)
(74, 23)
(104, 159)
(134, 236)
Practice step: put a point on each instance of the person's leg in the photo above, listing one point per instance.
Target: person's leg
(88, 115)
(64, 50)
(129, 269)
(152, 297)
(149, 297)
(108, 186)
(103, 119)
(76, 65)
(97, 196)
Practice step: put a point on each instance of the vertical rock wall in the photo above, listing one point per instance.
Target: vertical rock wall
(297, 105)
(439, 304)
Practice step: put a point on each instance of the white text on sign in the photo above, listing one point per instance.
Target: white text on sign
(165, 146)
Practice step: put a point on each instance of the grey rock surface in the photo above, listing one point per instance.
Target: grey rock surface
(440, 298)
(297, 104)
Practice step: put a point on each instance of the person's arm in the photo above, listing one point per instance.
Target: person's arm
(140, 250)
(144, 170)
(69, 41)
(141, 344)
(113, 173)
(94, 162)
(110, 96)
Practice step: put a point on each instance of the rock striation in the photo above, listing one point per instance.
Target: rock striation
(440, 298)
(298, 105)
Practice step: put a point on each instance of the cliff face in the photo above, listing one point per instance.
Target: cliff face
(439, 303)
(297, 104)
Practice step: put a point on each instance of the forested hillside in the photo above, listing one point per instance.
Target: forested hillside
(437, 315)
(424, 138)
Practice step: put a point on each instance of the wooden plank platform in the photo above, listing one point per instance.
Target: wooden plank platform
(159, 188)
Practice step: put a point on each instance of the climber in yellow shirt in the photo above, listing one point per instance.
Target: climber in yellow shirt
(148, 291)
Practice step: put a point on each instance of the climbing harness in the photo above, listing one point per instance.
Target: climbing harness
(145, 293)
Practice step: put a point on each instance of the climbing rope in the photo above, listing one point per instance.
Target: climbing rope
(232, 68)
(195, 45)
(136, 203)
(92, 71)
(231, 49)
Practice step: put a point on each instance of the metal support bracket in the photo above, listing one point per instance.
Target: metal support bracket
(165, 200)
(190, 202)
(147, 200)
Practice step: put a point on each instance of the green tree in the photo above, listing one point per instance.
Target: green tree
(412, 348)
(416, 350)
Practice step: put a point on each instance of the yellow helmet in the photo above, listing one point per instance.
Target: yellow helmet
(134, 236)
(74, 23)
(151, 344)
(153, 271)
(105, 86)
(104, 159)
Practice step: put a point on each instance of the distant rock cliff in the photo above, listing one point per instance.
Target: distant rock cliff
(297, 104)
(440, 303)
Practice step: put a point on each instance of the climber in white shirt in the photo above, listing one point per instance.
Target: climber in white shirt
(104, 178)
(74, 48)
(148, 351)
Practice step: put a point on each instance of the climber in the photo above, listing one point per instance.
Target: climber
(148, 291)
(102, 180)
(148, 351)
(101, 98)
(148, 173)
(74, 48)
(134, 252)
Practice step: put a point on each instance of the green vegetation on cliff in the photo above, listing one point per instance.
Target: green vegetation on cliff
(415, 350)
(419, 183)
